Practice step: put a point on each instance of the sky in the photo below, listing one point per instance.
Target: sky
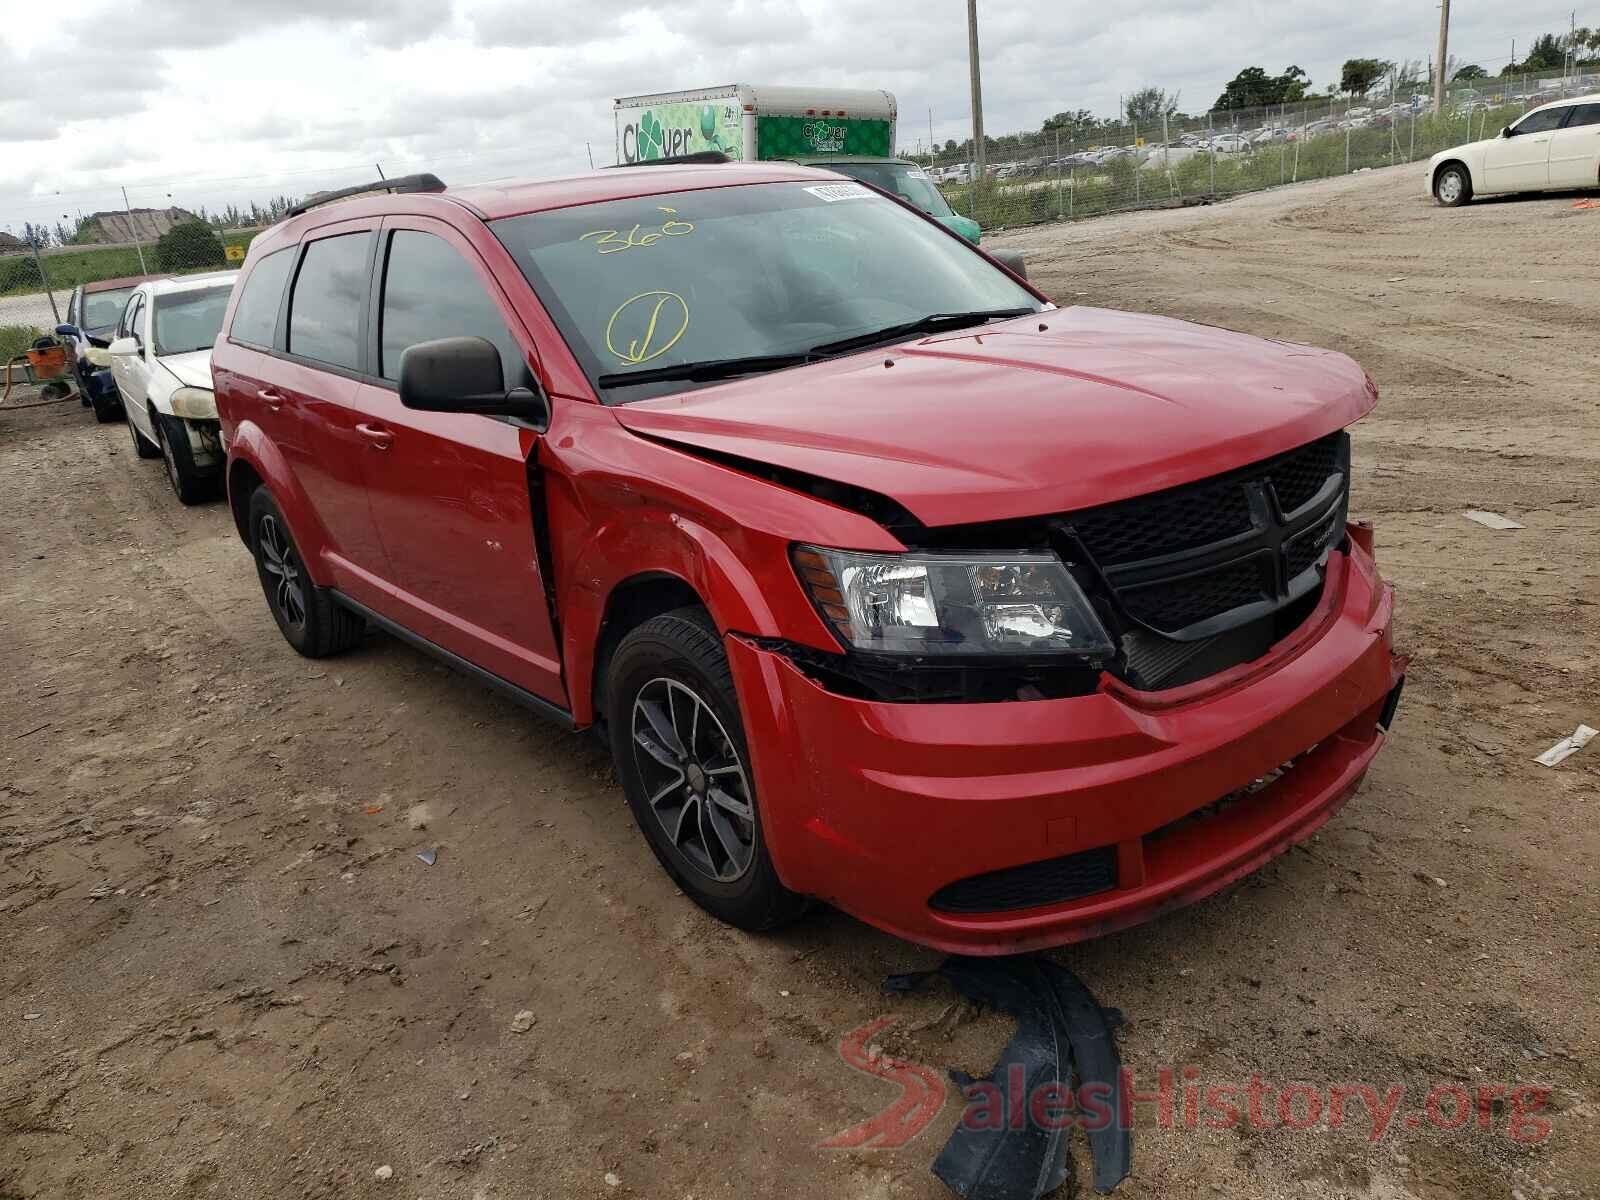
(202, 102)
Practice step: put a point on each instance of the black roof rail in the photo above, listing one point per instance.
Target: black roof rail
(425, 182)
(699, 157)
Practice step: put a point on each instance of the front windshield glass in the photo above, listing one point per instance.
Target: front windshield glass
(910, 183)
(732, 272)
(103, 309)
(187, 321)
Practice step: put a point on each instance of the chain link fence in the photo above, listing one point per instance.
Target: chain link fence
(1089, 170)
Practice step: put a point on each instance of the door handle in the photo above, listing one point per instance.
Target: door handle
(380, 437)
(271, 399)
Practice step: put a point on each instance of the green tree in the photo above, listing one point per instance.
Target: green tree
(1359, 74)
(1254, 88)
(188, 245)
(1148, 105)
(1469, 73)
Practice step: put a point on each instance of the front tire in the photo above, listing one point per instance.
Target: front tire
(1453, 186)
(307, 615)
(107, 407)
(188, 484)
(141, 444)
(680, 752)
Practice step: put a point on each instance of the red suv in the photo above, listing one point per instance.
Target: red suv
(996, 624)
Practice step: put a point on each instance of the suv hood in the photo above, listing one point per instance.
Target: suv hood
(1067, 409)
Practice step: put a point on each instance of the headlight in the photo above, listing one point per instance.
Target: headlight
(970, 604)
(195, 404)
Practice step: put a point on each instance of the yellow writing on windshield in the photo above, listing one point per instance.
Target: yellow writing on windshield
(660, 319)
(613, 241)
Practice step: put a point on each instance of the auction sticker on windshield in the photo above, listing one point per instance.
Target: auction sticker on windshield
(839, 191)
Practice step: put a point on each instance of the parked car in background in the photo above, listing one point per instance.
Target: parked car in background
(1230, 143)
(1553, 147)
(162, 364)
(93, 311)
(774, 481)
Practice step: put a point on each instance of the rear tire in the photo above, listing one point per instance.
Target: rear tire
(680, 752)
(1452, 187)
(307, 615)
(188, 484)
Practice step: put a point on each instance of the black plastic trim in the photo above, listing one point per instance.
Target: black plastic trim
(517, 692)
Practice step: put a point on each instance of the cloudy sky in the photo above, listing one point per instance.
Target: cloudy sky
(206, 101)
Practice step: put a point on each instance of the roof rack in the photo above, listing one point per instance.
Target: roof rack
(699, 157)
(425, 182)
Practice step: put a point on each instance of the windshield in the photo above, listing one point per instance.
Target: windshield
(910, 183)
(735, 272)
(103, 309)
(186, 321)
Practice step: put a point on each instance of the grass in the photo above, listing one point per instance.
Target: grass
(66, 269)
(14, 339)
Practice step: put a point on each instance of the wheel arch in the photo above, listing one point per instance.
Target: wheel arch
(1433, 183)
(253, 460)
(631, 603)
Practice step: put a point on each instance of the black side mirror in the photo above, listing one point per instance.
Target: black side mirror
(1506, 132)
(463, 375)
(65, 330)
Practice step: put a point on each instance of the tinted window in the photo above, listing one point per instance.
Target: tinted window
(429, 292)
(101, 309)
(325, 308)
(1541, 122)
(256, 318)
(186, 321)
(1585, 114)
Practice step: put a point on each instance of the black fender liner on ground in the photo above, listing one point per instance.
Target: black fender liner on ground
(1063, 1037)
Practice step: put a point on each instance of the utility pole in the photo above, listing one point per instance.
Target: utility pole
(931, 147)
(977, 90)
(143, 270)
(1444, 56)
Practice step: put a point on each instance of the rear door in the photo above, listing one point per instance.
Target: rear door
(450, 492)
(315, 384)
(1521, 162)
(1575, 149)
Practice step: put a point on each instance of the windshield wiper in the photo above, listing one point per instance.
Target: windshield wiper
(707, 369)
(932, 323)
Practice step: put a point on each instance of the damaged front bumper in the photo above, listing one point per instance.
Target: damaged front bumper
(997, 828)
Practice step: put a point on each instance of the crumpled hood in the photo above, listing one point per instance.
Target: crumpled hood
(193, 368)
(1049, 413)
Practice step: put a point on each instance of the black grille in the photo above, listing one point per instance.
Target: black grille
(1052, 881)
(1194, 561)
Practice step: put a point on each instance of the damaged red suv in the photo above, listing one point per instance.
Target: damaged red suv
(996, 624)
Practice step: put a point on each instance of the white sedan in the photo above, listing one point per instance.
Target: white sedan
(1230, 143)
(1551, 148)
(161, 360)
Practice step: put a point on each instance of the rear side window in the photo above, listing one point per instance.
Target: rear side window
(430, 292)
(325, 307)
(1585, 114)
(255, 319)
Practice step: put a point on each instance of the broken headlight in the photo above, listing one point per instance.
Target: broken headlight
(968, 604)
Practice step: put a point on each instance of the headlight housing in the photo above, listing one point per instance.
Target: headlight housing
(194, 404)
(1019, 604)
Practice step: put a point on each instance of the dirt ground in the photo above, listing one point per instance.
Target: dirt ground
(226, 972)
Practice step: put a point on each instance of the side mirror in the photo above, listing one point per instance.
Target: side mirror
(125, 345)
(1506, 132)
(463, 375)
(1012, 261)
(71, 331)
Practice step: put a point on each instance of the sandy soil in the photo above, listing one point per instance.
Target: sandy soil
(226, 972)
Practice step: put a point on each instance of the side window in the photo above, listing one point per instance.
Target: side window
(325, 306)
(1585, 114)
(1541, 122)
(130, 315)
(430, 292)
(255, 319)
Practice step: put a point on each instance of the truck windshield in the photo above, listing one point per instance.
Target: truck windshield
(910, 183)
(187, 321)
(759, 271)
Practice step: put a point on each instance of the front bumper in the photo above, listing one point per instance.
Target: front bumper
(876, 807)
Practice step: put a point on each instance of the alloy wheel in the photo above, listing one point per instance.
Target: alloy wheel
(694, 779)
(279, 560)
(1450, 187)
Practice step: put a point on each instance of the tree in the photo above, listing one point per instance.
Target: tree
(187, 245)
(1359, 74)
(1148, 105)
(1469, 73)
(1254, 88)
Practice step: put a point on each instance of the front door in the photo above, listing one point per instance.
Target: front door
(132, 371)
(1521, 162)
(450, 491)
(1575, 149)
